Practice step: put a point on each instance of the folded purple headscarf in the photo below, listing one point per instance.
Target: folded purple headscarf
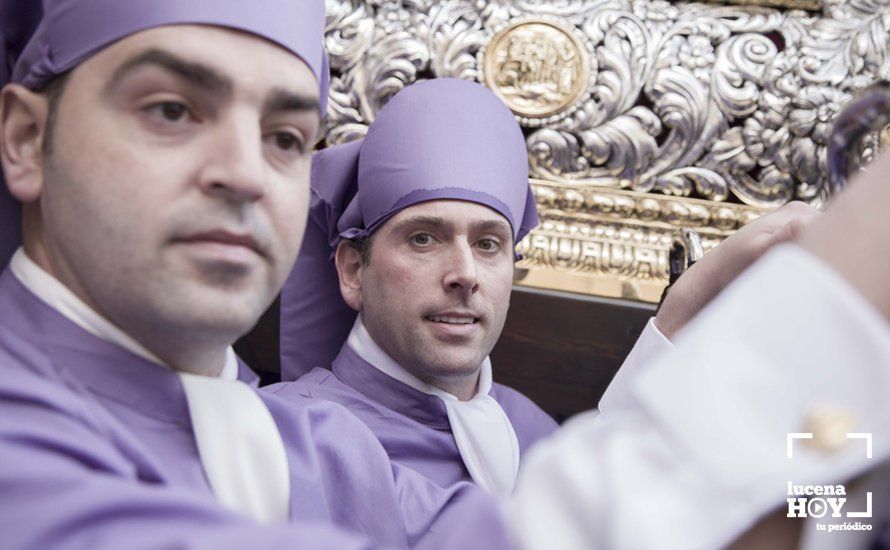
(439, 139)
(40, 40)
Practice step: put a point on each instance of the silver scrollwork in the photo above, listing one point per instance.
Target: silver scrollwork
(722, 103)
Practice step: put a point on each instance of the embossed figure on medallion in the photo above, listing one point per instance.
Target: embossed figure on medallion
(537, 67)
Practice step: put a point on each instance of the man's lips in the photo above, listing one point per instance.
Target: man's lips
(224, 242)
(454, 322)
(454, 326)
(457, 318)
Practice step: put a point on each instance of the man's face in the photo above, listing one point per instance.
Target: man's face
(436, 290)
(176, 190)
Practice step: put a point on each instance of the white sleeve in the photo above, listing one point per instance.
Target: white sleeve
(651, 345)
(699, 452)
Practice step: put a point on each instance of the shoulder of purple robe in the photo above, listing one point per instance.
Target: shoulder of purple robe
(66, 484)
(408, 440)
(390, 427)
(421, 441)
(322, 383)
(530, 422)
(396, 430)
(303, 385)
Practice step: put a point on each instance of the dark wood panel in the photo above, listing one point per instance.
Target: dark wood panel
(562, 349)
(259, 347)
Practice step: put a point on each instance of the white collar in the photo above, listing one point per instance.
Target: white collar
(363, 344)
(57, 296)
(484, 435)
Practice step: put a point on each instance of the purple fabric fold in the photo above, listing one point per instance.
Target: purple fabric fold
(412, 426)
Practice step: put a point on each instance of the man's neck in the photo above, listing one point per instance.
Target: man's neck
(463, 387)
(205, 360)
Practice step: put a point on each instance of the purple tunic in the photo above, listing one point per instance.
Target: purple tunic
(412, 426)
(98, 451)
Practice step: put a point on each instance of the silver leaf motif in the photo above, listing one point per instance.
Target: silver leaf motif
(723, 103)
(648, 104)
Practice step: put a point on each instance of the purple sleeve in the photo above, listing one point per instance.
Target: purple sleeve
(62, 485)
(461, 516)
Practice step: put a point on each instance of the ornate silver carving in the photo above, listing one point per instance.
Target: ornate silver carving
(698, 102)
(689, 99)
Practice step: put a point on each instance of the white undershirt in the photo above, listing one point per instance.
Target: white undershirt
(240, 447)
(649, 347)
(696, 452)
(484, 435)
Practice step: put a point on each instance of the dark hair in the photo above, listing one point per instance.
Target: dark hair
(363, 247)
(53, 91)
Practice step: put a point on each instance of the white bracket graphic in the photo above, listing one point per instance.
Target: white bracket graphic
(867, 512)
(796, 435)
(809, 435)
(867, 438)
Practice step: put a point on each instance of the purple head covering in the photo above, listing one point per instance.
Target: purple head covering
(40, 40)
(439, 139)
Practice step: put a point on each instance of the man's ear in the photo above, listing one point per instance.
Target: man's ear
(23, 115)
(349, 269)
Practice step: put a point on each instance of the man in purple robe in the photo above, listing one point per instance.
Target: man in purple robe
(428, 260)
(159, 155)
(413, 365)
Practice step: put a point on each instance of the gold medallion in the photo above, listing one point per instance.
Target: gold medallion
(538, 67)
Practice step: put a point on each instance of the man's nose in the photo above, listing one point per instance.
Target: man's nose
(235, 167)
(461, 274)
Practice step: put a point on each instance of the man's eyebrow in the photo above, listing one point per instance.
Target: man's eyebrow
(428, 221)
(493, 225)
(281, 100)
(197, 74)
(479, 226)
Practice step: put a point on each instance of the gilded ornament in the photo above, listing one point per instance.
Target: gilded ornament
(539, 67)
